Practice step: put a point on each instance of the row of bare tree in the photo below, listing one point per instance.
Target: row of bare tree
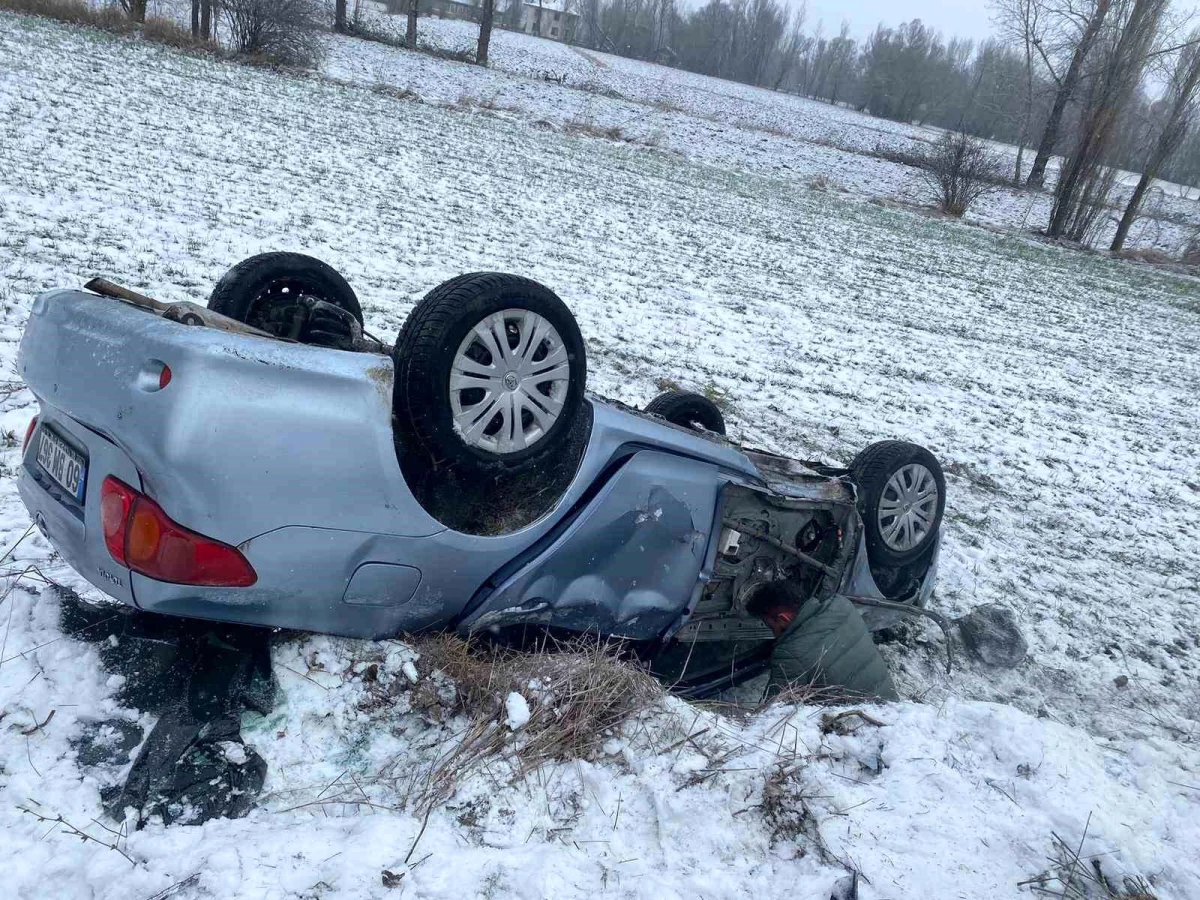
(1105, 84)
(1098, 55)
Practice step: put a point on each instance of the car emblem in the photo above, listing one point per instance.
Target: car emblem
(512, 381)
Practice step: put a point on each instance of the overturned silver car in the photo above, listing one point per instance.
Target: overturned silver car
(264, 461)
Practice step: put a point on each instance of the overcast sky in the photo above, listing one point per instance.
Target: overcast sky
(965, 18)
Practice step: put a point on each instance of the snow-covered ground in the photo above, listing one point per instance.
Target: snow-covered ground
(1058, 389)
(709, 119)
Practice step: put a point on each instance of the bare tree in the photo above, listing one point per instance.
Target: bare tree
(1076, 195)
(1021, 21)
(339, 16)
(791, 49)
(410, 36)
(960, 169)
(207, 32)
(1088, 20)
(487, 12)
(283, 32)
(1181, 111)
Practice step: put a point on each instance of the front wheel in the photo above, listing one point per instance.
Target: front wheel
(490, 372)
(901, 498)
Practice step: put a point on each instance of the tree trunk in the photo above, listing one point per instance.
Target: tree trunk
(1027, 115)
(1118, 79)
(1131, 211)
(410, 37)
(206, 29)
(485, 31)
(1066, 89)
(137, 10)
(339, 16)
(1173, 133)
(195, 20)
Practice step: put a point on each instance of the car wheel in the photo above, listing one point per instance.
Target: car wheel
(490, 372)
(693, 411)
(263, 291)
(901, 498)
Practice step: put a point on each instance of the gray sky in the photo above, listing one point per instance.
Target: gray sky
(965, 18)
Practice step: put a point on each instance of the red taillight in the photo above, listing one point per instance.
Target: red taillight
(164, 377)
(140, 536)
(28, 434)
(116, 501)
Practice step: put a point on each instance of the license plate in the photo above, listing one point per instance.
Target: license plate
(62, 463)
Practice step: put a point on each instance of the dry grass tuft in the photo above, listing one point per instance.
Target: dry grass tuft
(1075, 877)
(578, 694)
(609, 132)
(74, 12)
(169, 32)
(398, 93)
(592, 86)
(468, 102)
(1148, 255)
(463, 55)
(824, 183)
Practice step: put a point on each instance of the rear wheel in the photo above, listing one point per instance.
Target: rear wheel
(901, 497)
(266, 292)
(490, 372)
(693, 411)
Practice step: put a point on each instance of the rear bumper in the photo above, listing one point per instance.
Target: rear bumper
(73, 528)
(338, 589)
(314, 598)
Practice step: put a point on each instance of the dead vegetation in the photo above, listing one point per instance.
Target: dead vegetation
(276, 32)
(74, 12)
(593, 86)
(170, 33)
(578, 695)
(823, 183)
(463, 55)
(397, 93)
(1073, 876)
(960, 169)
(586, 127)
(468, 102)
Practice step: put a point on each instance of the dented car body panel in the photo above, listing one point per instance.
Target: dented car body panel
(287, 453)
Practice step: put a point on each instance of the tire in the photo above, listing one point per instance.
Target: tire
(896, 539)
(688, 411)
(259, 291)
(470, 426)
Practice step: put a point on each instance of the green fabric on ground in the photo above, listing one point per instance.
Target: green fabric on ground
(829, 645)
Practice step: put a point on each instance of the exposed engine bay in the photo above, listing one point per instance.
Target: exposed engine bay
(746, 561)
(812, 517)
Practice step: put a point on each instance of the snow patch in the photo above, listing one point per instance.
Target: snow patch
(517, 710)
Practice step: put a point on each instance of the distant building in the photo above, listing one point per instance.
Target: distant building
(548, 19)
(450, 9)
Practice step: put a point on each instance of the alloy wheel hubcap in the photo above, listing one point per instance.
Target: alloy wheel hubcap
(908, 507)
(508, 381)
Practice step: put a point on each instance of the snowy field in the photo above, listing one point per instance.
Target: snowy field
(712, 120)
(1057, 388)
